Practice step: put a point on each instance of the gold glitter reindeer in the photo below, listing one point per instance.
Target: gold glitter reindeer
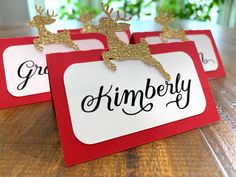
(45, 36)
(85, 19)
(164, 19)
(118, 50)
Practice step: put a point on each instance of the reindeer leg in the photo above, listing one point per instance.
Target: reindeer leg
(163, 39)
(153, 62)
(106, 58)
(37, 44)
(185, 38)
(68, 42)
(71, 44)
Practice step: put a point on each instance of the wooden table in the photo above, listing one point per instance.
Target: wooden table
(29, 143)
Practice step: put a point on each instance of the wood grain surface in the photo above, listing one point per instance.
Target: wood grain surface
(30, 146)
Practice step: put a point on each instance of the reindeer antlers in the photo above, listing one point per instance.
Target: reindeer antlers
(122, 18)
(107, 10)
(85, 17)
(164, 18)
(51, 15)
(40, 11)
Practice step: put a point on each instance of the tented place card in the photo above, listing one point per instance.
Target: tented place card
(100, 111)
(204, 42)
(24, 73)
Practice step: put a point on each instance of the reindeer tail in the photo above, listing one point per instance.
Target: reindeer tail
(185, 38)
(66, 32)
(143, 41)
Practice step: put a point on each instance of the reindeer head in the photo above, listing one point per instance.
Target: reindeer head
(108, 25)
(164, 18)
(42, 19)
(85, 18)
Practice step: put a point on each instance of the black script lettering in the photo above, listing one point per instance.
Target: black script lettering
(27, 70)
(140, 100)
(205, 60)
(133, 98)
(41, 70)
(90, 100)
(179, 96)
(148, 87)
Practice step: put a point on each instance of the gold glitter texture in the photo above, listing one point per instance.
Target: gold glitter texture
(164, 19)
(118, 50)
(46, 37)
(85, 19)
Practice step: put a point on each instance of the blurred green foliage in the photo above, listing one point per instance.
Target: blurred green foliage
(192, 10)
(135, 8)
(71, 10)
(183, 9)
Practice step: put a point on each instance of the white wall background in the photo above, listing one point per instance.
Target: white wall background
(31, 6)
(232, 21)
(13, 12)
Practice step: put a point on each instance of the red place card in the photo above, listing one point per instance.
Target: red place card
(101, 112)
(204, 42)
(23, 69)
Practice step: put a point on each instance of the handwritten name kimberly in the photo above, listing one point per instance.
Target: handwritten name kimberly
(27, 70)
(140, 99)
